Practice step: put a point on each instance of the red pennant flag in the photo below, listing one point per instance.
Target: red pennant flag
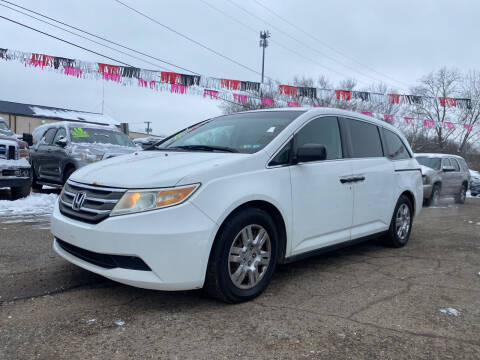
(368, 113)
(266, 101)
(396, 98)
(343, 95)
(287, 90)
(449, 102)
(230, 84)
(170, 77)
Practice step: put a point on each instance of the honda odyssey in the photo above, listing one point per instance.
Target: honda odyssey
(219, 204)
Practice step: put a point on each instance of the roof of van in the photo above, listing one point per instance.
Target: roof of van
(332, 111)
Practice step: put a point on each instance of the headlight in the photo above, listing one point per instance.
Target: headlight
(134, 201)
(23, 153)
(89, 158)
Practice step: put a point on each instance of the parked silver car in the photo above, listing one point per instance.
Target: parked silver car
(443, 174)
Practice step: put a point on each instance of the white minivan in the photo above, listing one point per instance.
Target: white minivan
(219, 204)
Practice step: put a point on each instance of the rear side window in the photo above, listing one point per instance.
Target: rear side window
(323, 131)
(455, 164)
(395, 149)
(48, 137)
(365, 139)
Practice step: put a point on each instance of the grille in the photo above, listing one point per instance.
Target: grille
(97, 204)
(8, 152)
(104, 260)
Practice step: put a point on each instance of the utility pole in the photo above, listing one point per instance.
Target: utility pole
(264, 35)
(148, 129)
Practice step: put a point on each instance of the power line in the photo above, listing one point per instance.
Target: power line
(94, 35)
(65, 41)
(84, 37)
(327, 45)
(302, 42)
(187, 37)
(278, 43)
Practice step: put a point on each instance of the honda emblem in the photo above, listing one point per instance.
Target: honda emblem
(78, 200)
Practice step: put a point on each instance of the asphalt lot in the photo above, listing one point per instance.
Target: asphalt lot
(362, 302)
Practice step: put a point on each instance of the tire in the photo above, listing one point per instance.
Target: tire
(35, 185)
(229, 274)
(462, 195)
(19, 192)
(69, 171)
(402, 217)
(434, 197)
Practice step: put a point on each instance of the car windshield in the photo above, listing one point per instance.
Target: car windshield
(93, 135)
(243, 132)
(431, 162)
(4, 129)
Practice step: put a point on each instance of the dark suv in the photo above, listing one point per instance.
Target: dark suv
(61, 148)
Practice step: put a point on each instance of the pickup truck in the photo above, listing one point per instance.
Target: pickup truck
(15, 170)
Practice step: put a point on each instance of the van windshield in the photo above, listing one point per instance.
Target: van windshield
(243, 132)
(431, 162)
(91, 135)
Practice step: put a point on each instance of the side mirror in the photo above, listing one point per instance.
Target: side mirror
(28, 138)
(448, 168)
(310, 152)
(61, 142)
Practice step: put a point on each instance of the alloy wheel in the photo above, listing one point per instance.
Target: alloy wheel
(249, 256)
(402, 221)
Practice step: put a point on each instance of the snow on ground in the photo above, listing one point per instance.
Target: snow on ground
(450, 311)
(36, 207)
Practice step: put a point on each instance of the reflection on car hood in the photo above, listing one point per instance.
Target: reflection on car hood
(151, 169)
(101, 149)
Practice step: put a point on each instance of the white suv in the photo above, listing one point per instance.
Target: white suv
(219, 204)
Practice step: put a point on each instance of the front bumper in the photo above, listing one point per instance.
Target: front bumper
(13, 181)
(427, 191)
(174, 242)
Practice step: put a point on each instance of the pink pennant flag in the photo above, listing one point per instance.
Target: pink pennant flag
(469, 127)
(178, 88)
(142, 83)
(389, 118)
(428, 123)
(72, 71)
(239, 98)
(266, 101)
(152, 84)
(212, 93)
(368, 113)
(111, 77)
(408, 120)
(293, 103)
(448, 125)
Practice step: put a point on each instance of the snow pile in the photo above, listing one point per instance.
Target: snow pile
(34, 208)
(450, 311)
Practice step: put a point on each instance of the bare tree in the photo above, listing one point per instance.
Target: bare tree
(442, 83)
(470, 115)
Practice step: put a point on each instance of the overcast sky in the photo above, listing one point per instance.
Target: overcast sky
(400, 40)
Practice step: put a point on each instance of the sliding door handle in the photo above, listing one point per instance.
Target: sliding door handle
(346, 180)
(359, 179)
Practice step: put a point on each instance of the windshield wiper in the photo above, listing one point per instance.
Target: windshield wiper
(201, 148)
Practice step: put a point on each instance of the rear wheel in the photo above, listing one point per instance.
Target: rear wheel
(435, 197)
(401, 223)
(243, 257)
(462, 195)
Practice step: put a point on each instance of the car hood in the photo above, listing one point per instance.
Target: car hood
(150, 169)
(427, 170)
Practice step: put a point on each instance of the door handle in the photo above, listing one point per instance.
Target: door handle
(346, 180)
(359, 179)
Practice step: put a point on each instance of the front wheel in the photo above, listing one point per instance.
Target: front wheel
(435, 197)
(243, 257)
(19, 192)
(462, 195)
(401, 223)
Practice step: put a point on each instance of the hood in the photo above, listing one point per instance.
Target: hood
(101, 149)
(21, 144)
(151, 169)
(427, 170)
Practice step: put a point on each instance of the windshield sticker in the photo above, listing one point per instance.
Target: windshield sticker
(271, 130)
(79, 133)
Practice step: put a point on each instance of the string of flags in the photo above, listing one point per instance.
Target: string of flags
(232, 90)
